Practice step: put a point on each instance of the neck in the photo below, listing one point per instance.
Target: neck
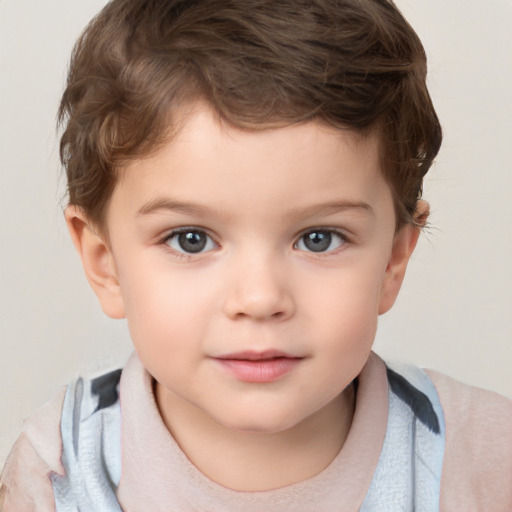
(246, 461)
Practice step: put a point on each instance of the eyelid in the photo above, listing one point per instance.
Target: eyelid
(185, 229)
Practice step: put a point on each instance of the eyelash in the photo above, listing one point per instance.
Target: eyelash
(182, 254)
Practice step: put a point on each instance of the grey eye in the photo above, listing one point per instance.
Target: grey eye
(320, 240)
(190, 241)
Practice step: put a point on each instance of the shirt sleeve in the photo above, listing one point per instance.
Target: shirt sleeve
(477, 468)
(25, 479)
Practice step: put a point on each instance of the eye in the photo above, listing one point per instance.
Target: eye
(190, 241)
(320, 240)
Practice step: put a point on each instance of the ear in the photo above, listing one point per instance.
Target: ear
(404, 243)
(97, 260)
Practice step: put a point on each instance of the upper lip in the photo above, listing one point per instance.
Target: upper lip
(252, 355)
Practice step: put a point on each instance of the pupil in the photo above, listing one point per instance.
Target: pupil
(318, 241)
(192, 241)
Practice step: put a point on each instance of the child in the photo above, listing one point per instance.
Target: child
(245, 188)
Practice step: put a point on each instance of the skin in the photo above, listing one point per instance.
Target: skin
(256, 286)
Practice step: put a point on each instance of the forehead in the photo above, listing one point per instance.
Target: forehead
(212, 161)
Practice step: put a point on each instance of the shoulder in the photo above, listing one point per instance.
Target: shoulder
(37, 459)
(477, 469)
(34, 457)
(91, 438)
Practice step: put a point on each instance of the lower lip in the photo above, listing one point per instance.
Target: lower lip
(265, 370)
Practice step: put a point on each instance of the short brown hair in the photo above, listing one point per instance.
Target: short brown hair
(353, 64)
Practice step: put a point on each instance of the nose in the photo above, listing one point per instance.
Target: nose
(259, 289)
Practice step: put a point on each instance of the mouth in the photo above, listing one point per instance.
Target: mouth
(250, 355)
(258, 367)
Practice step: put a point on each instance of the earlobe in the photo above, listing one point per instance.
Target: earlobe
(404, 243)
(97, 260)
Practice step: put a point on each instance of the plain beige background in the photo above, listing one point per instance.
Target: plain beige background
(455, 310)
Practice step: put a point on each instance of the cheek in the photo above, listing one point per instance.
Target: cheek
(350, 328)
(163, 306)
(343, 309)
(348, 294)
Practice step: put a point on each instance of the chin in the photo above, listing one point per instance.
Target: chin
(264, 424)
(257, 429)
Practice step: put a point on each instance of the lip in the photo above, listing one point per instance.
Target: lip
(258, 367)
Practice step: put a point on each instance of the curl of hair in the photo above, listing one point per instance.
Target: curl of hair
(353, 64)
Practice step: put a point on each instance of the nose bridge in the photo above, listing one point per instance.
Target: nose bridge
(258, 287)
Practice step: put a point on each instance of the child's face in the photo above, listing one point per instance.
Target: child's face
(252, 266)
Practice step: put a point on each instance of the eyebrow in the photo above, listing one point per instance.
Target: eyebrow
(334, 207)
(154, 205)
(330, 208)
